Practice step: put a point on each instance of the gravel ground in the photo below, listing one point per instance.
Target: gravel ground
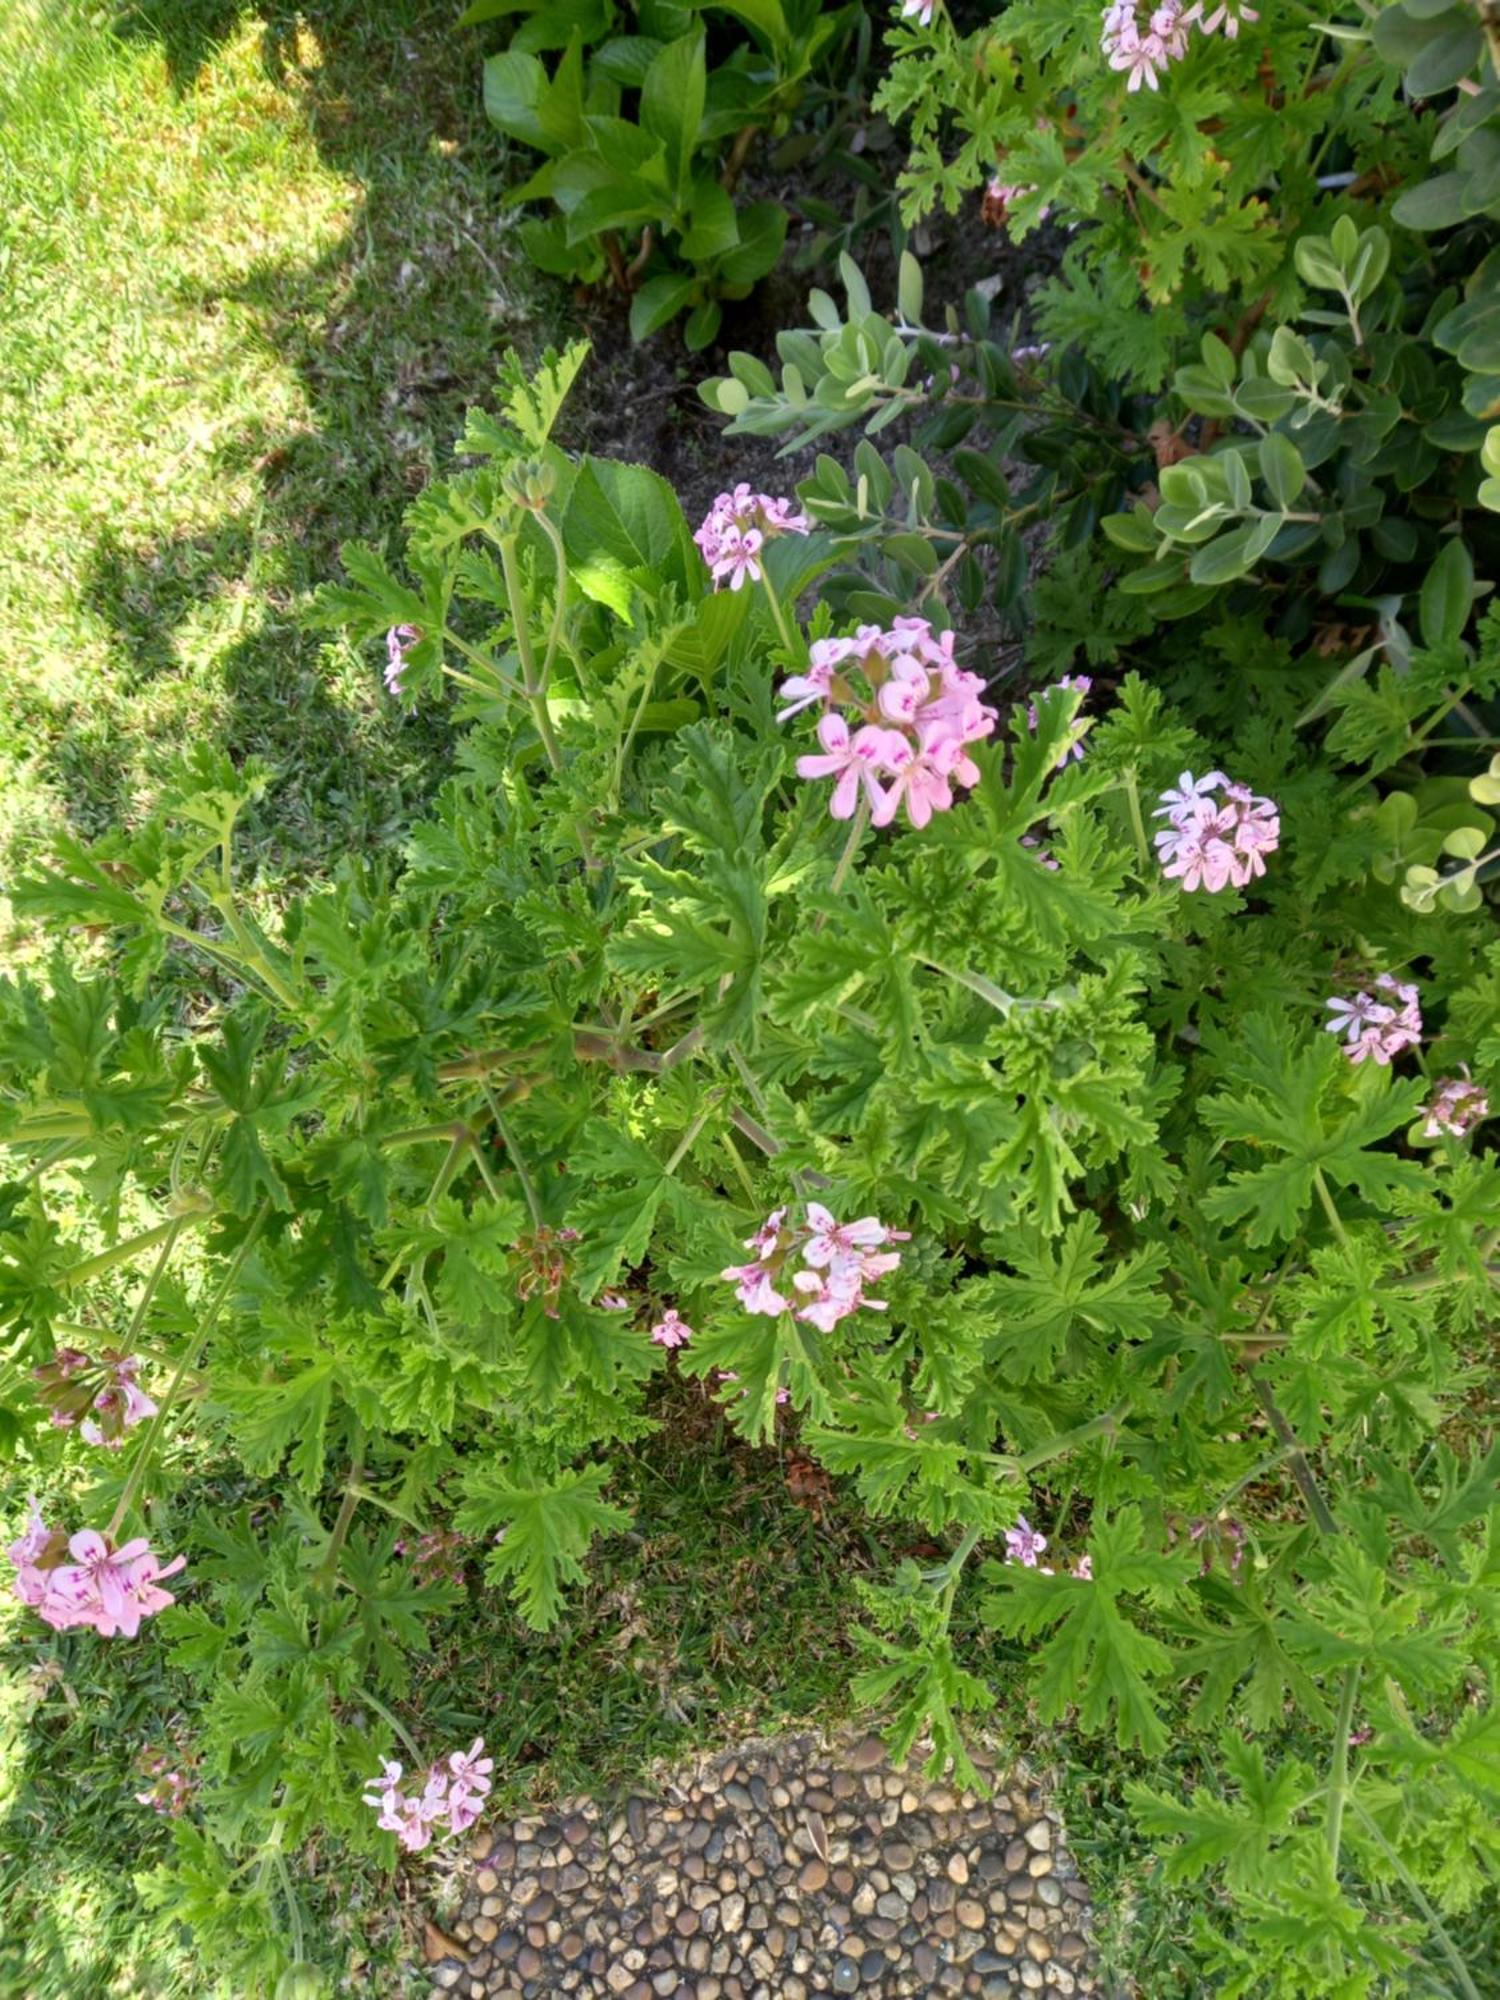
(776, 1871)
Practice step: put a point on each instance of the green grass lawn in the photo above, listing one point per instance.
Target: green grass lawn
(255, 266)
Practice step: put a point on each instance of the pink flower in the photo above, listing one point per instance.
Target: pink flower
(1083, 1569)
(1001, 196)
(455, 1794)
(830, 1240)
(783, 1396)
(756, 1292)
(854, 761)
(1215, 842)
(1229, 15)
(1377, 1030)
(838, 1260)
(30, 1545)
(738, 557)
(824, 659)
(111, 1589)
(398, 643)
(898, 708)
(738, 526)
(1457, 1106)
(920, 11)
(1023, 1544)
(471, 1768)
(671, 1330)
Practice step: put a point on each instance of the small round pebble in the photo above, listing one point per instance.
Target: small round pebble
(774, 1871)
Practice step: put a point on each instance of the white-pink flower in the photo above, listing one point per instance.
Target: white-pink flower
(451, 1798)
(1023, 1544)
(920, 11)
(398, 643)
(1217, 834)
(1377, 1030)
(855, 761)
(838, 1260)
(1458, 1105)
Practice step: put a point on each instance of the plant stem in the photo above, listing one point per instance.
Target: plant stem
(386, 1506)
(857, 827)
(516, 1161)
(1132, 794)
(480, 660)
(1296, 1458)
(362, 1693)
(143, 1303)
(189, 1357)
(560, 607)
(1101, 1426)
(1445, 1943)
(95, 1267)
(224, 902)
(778, 613)
(533, 686)
(1338, 1776)
(1334, 1219)
(327, 1568)
(692, 1132)
(293, 1907)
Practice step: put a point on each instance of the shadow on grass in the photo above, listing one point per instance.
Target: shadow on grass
(392, 333)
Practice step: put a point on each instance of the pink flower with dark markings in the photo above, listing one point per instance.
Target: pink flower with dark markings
(398, 643)
(838, 1260)
(1023, 1544)
(737, 528)
(451, 1799)
(1377, 1030)
(1458, 1105)
(671, 1330)
(1217, 834)
(112, 1589)
(899, 714)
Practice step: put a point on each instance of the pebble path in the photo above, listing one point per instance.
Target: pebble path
(777, 1871)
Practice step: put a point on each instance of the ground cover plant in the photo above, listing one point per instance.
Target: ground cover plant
(968, 977)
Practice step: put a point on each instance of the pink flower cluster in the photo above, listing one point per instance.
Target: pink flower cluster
(452, 1793)
(437, 1556)
(1145, 53)
(737, 527)
(671, 1330)
(1218, 833)
(1080, 683)
(1024, 1545)
(1377, 1030)
(111, 1589)
(916, 710)
(1457, 1106)
(838, 1260)
(999, 196)
(398, 643)
(169, 1791)
(72, 1382)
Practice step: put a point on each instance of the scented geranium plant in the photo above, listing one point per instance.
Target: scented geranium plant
(985, 1136)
